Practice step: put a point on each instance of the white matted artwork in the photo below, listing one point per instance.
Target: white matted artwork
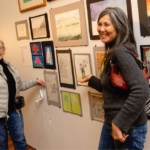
(52, 88)
(68, 25)
(96, 106)
(82, 64)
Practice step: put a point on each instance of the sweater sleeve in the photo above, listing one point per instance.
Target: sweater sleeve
(95, 83)
(138, 89)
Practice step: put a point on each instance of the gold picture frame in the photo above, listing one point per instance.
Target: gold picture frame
(22, 30)
(26, 5)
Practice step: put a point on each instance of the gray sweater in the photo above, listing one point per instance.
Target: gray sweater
(20, 86)
(124, 108)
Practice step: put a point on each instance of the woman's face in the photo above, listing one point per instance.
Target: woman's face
(2, 50)
(107, 31)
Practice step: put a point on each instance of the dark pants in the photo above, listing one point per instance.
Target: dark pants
(135, 140)
(15, 126)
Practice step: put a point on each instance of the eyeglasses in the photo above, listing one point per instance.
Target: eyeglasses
(2, 48)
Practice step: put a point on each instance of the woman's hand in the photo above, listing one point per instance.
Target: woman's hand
(117, 134)
(41, 83)
(85, 79)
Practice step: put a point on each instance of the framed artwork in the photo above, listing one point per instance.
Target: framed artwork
(52, 88)
(68, 25)
(22, 30)
(99, 53)
(94, 8)
(145, 55)
(48, 54)
(96, 106)
(25, 5)
(144, 17)
(71, 102)
(37, 55)
(39, 26)
(82, 63)
(65, 68)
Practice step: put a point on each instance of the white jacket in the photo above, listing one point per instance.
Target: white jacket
(20, 86)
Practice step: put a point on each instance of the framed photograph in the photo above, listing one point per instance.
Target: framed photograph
(65, 68)
(25, 5)
(82, 63)
(94, 8)
(52, 88)
(48, 54)
(144, 17)
(96, 106)
(37, 55)
(71, 102)
(68, 25)
(22, 30)
(145, 55)
(99, 53)
(39, 27)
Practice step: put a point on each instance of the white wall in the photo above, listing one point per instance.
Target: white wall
(48, 127)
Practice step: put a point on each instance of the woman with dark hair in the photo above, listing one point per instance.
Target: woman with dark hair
(11, 118)
(125, 124)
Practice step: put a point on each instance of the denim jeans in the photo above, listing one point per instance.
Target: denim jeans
(15, 126)
(135, 140)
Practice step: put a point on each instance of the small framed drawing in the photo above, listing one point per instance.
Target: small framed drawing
(68, 25)
(39, 26)
(145, 55)
(37, 56)
(94, 8)
(82, 63)
(65, 68)
(25, 5)
(48, 54)
(71, 102)
(22, 30)
(52, 88)
(144, 15)
(96, 106)
(99, 53)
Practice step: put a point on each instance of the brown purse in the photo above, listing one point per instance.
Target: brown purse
(117, 78)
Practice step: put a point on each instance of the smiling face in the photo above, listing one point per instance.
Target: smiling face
(107, 31)
(2, 50)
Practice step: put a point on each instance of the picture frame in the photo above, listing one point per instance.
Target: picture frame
(145, 56)
(143, 17)
(48, 54)
(26, 5)
(22, 30)
(94, 7)
(69, 33)
(96, 106)
(99, 53)
(65, 68)
(82, 63)
(71, 102)
(52, 88)
(37, 55)
(39, 26)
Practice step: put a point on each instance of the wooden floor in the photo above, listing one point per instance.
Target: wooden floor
(11, 147)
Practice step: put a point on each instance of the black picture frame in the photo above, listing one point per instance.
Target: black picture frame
(144, 28)
(37, 55)
(94, 36)
(48, 54)
(65, 68)
(39, 26)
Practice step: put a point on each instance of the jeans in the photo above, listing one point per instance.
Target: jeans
(135, 140)
(15, 126)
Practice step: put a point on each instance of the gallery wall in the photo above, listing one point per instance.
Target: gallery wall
(52, 123)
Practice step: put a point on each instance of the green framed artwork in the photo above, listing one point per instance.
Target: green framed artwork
(71, 102)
